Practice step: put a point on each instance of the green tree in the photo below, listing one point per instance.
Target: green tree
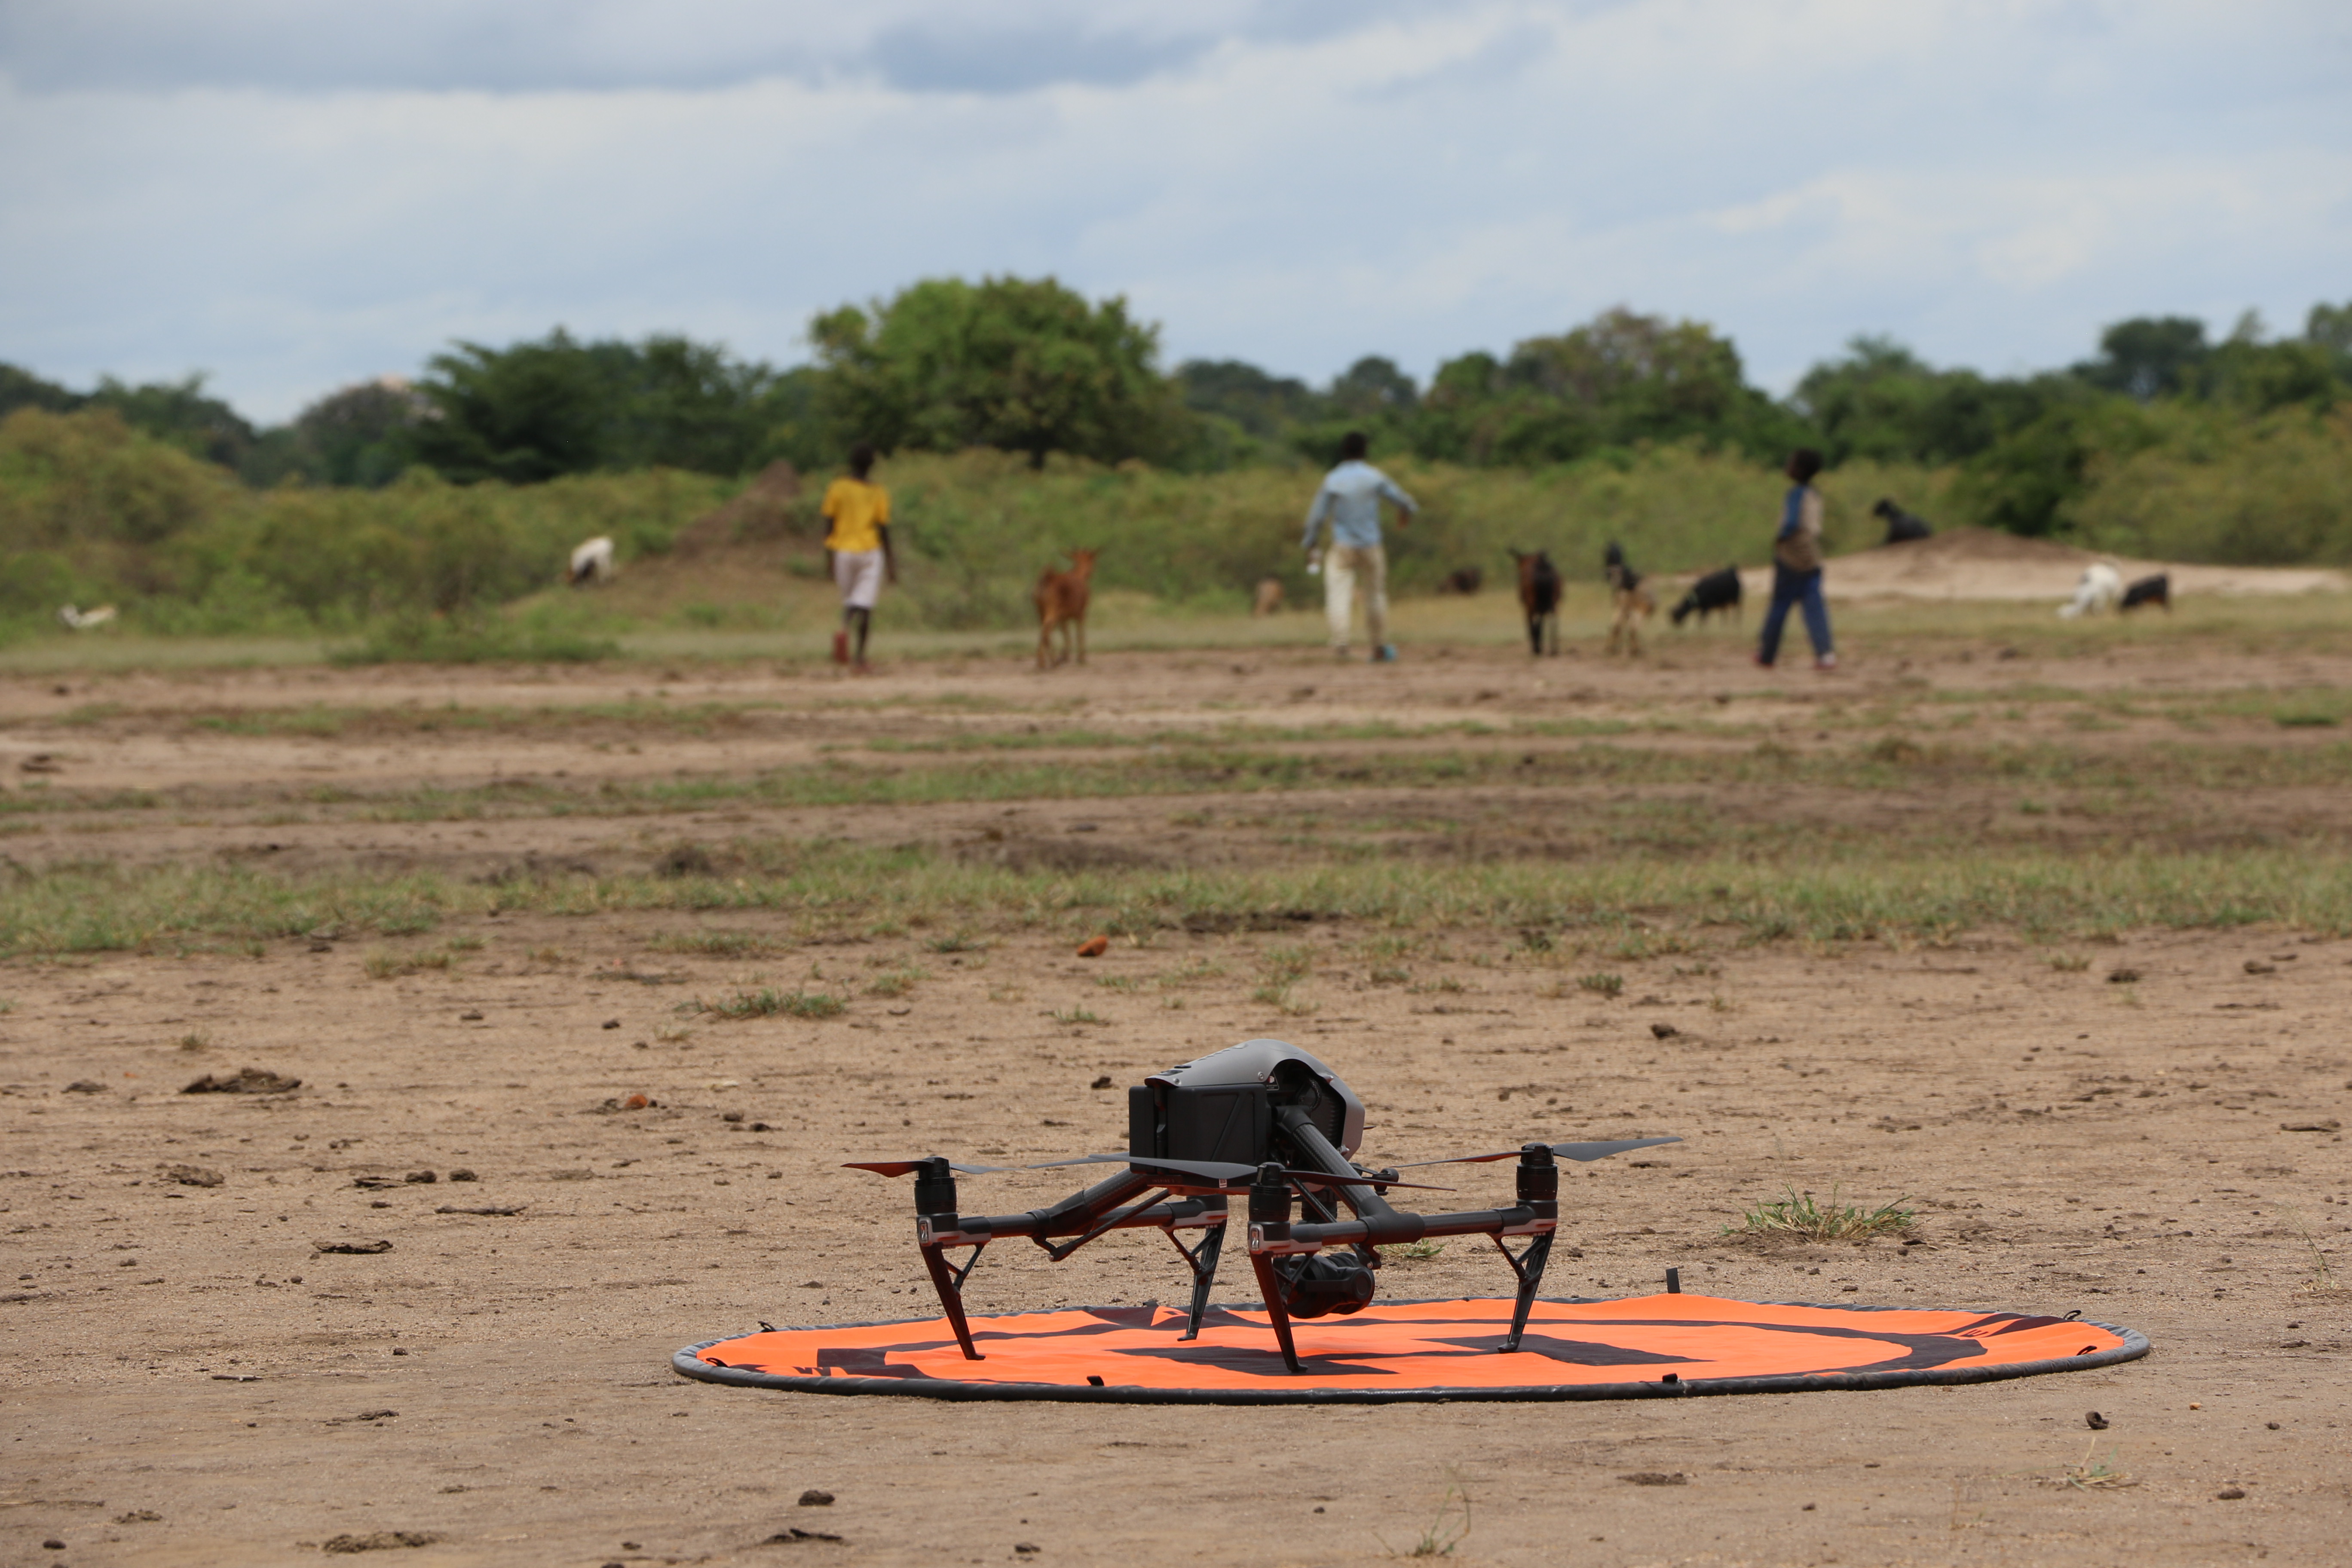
(2328, 329)
(1881, 402)
(22, 389)
(1020, 365)
(2029, 480)
(529, 412)
(1266, 406)
(1619, 380)
(523, 414)
(362, 435)
(2149, 356)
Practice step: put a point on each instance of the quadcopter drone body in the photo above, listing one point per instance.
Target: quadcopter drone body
(1265, 1121)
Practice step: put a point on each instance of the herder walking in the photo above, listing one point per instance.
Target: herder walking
(1350, 497)
(857, 552)
(1797, 566)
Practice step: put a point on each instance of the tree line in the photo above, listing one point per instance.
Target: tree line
(1030, 367)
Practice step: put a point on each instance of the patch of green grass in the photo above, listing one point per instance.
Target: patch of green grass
(715, 943)
(1279, 996)
(430, 639)
(1288, 962)
(1448, 1528)
(1892, 892)
(1601, 984)
(769, 1002)
(1075, 1016)
(896, 982)
(383, 965)
(1797, 1214)
(957, 942)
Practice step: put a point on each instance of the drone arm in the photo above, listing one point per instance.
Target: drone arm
(1400, 1226)
(1320, 1156)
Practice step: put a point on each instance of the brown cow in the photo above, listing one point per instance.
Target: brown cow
(1540, 598)
(1062, 601)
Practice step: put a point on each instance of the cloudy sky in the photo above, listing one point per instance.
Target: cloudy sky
(290, 195)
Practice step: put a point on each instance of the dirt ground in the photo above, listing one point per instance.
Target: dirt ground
(204, 1385)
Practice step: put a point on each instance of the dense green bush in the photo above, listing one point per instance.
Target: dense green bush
(2276, 492)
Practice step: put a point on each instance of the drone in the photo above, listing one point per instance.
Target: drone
(1268, 1121)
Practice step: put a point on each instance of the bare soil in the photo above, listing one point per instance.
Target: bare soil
(207, 1382)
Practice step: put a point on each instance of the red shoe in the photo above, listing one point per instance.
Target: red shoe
(841, 648)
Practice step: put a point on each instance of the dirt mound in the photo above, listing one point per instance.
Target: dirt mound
(1976, 546)
(1985, 564)
(763, 512)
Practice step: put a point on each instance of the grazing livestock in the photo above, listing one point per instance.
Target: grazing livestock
(590, 562)
(1901, 528)
(1540, 597)
(1061, 599)
(1630, 600)
(2155, 590)
(2102, 588)
(1464, 580)
(1267, 600)
(1716, 591)
(86, 620)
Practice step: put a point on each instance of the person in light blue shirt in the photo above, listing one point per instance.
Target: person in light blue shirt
(1350, 497)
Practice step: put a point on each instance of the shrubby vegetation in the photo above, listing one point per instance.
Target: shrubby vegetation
(1022, 419)
(92, 509)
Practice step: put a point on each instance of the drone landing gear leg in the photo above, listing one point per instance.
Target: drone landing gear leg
(948, 1279)
(1269, 1285)
(1204, 1259)
(1529, 1267)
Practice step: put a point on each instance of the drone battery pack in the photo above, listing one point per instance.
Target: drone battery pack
(1227, 1121)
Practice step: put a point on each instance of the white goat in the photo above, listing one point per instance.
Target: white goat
(2102, 588)
(86, 620)
(591, 563)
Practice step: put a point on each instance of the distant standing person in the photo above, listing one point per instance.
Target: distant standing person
(1797, 566)
(1350, 497)
(857, 554)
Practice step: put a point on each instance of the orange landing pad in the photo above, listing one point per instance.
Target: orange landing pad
(1641, 1347)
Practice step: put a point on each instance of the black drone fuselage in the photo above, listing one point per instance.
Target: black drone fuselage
(1265, 1121)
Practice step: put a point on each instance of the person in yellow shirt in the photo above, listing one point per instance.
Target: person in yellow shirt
(857, 554)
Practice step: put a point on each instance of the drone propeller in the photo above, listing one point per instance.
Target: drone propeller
(902, 1167)
(1228, 1171)
(1585, 1152)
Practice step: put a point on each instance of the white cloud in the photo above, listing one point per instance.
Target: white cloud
(293, 195)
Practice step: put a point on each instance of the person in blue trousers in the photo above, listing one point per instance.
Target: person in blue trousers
(1797, 566)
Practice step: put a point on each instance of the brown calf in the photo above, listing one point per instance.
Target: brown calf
(1630, 599)
(1062, 601)
(1268, 599)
